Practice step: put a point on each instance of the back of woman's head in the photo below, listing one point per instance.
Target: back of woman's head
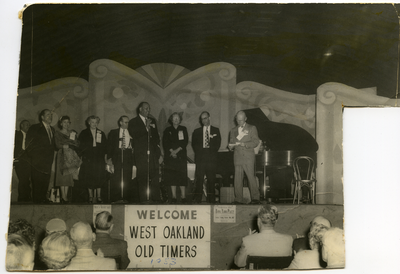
(315, 236)
(57, 250)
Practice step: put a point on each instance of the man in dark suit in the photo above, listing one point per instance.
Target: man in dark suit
(120, 160)
(147, 152)
(22, 163)
(243, 139)
(111, 248)
(206, 141)
(40, 148)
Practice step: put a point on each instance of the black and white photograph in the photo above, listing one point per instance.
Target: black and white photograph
(192, 136)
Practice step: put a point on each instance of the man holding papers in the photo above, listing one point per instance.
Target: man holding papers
(242, 140)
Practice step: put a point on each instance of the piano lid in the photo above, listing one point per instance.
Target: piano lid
(281, 136)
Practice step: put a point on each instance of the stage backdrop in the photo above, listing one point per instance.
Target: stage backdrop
(114, 90)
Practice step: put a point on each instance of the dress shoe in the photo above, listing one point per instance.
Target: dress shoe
(173, 201)
(62, 201)
(183, 201)
(255, 202)
(237, 203)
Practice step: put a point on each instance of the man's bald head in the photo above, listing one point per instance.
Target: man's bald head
(241, 118)
(82, 235)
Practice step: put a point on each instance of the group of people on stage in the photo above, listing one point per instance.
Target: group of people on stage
(323, 241)
(88, 156)
(76, 248)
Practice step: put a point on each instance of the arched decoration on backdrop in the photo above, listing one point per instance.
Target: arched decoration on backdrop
(278, 105)
(331, 97)
(117, 90)
(64, 96)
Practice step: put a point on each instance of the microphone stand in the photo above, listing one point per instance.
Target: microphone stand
(122, 201)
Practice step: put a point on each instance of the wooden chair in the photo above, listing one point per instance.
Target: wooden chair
(261, 262)
(304, 175)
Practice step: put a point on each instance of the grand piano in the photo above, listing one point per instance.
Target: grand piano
(282, 143)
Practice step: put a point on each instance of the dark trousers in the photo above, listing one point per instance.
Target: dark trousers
(208, 169)
(23, 170)
(154, 182)
(40, 184)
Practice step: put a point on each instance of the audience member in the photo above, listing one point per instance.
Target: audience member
(55, 225)
(310, 259)
(109, 247)
(22, 227)
(333, 252)
(57, 250)
(85, 259)
(267, 242)
(175, 139)
(20, 253)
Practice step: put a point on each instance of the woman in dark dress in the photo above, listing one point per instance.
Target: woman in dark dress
(93, 146)
(175, 140)
(68, 161)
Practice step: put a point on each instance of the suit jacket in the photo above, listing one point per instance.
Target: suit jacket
(139, 134)
(113, 150)
(85, 259)
(112, 247)
(244, 154)
(266, 243)
(39, 148)
(19, 153)
(197, 144)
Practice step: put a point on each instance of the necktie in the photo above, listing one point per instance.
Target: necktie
(123, 145)
(148, 122)
(49, 133)
(23, 140)
(207, 139)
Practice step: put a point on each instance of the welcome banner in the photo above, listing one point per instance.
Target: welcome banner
(168, 236)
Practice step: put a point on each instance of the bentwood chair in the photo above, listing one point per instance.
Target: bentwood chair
(304, 175)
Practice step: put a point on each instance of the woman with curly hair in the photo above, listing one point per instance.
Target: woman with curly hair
(57, 250)
(306, 258)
